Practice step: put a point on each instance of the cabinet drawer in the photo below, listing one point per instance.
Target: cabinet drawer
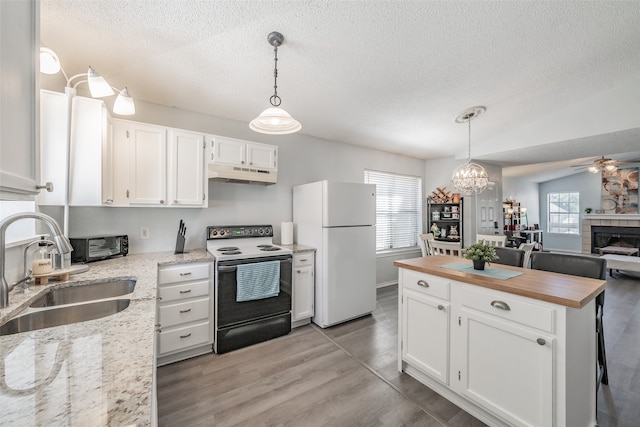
(300, 260)
(426, 284)
(184, 291)
(184, 312)
(508, 306)
(183, 273)
(182, 338)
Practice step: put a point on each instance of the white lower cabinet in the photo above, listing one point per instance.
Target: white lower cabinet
(303, 289)
(185, 311)
(426, 348)
(506, 359)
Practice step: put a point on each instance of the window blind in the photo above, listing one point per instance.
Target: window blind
(398, 209)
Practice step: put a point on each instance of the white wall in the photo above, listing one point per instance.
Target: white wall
(588, 185)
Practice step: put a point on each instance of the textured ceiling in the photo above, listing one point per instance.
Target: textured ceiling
(391, 75)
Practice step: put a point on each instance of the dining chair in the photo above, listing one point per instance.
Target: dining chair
(527, 248)
(492, 239)
(445, 248)
(423, 241)
(509, 256)
(583, 266)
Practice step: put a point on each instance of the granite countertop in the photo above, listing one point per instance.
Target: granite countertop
(94, 373)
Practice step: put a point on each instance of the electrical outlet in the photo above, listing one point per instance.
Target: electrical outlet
(144, 233)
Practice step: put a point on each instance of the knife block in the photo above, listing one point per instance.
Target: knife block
(180, 241)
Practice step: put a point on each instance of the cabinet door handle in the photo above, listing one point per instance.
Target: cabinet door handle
(501, 305)
(423, 283)
(440, 307)
(185, 311)
(185, 274)
(186, 336)
(298, 271)
(304, 260)
(162, 202)
(47, 186)
(185, 292)
(541, 341)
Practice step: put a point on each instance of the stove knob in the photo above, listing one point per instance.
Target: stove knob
(261, 231)
(269, 231)
(214, 232)
(222, 232)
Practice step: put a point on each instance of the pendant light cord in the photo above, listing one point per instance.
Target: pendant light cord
(469, 157)
(275, 99)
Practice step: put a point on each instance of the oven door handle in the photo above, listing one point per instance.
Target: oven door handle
(229, 268)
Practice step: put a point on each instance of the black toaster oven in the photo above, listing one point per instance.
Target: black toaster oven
(96, 248)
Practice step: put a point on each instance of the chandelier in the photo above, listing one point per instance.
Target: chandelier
(470, 178)
(274, 120)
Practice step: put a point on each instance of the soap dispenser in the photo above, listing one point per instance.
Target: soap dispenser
(42, 264)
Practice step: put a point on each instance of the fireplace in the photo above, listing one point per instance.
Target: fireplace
(601, 236)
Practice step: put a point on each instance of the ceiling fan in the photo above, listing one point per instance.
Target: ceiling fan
(603, 163)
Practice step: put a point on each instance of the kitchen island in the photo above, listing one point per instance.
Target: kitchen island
(94, 373)
(511, 346)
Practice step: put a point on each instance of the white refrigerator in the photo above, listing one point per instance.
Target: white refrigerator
(338, 219)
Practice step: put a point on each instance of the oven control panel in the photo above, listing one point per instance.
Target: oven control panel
(238, 231)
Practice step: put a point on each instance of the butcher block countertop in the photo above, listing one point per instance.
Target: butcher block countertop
(94, 373)
(562, 289)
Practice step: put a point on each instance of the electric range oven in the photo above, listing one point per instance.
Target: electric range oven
(242, 320)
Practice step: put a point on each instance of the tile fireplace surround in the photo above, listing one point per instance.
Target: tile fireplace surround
(619, 220)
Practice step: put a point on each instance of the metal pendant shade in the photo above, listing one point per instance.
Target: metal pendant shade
(470, 179)
(275, 120)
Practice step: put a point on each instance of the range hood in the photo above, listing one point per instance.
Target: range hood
(227, 173)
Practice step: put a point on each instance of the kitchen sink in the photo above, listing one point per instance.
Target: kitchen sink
(57, 316)
(83, 293)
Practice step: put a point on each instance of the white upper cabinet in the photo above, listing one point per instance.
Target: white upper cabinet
(186, 179)
(261, 156)
(90, 175)
(19, 163)
(147, 163)
(229, 151)
(90, 158)
(53, 140)
(235, 152)
(158, 166)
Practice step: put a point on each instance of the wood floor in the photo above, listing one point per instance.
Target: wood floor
(347, 376)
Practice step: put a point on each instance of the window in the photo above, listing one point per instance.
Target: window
(563, 213)
(398, 209)
(19, 230)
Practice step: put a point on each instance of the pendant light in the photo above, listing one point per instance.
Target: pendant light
(274, 120)
(470, 179)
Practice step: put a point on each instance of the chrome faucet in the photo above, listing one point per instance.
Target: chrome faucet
(62, 245)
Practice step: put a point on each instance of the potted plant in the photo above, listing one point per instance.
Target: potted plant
(587, 210)
(480, 253)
